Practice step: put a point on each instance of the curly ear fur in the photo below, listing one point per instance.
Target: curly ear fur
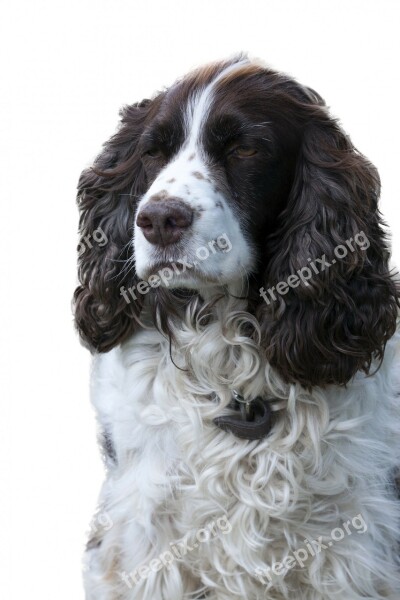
(107, 195)
(329, 327)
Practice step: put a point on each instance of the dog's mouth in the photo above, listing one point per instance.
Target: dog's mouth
(190, 263)
(179, 273)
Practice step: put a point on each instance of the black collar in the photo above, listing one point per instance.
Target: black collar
(253, 420)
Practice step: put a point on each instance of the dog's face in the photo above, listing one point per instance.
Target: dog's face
(239, 174)
(219, 168)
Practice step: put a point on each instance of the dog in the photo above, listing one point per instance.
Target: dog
(242, 318)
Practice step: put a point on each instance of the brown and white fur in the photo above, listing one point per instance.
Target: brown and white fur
(238, 152)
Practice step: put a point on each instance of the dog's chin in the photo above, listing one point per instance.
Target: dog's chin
(163, 275)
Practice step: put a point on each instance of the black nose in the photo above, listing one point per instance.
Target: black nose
(164, 221)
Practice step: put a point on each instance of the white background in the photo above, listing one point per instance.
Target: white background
(66, 69)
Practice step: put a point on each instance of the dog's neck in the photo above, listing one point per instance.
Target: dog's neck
(214, 338)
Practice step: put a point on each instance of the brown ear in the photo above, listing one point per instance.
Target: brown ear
(339, 317)
(107, 196)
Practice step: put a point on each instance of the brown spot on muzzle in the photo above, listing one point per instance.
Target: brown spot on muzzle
(162, 195)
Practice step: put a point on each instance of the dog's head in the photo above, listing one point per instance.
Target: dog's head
(237, 176)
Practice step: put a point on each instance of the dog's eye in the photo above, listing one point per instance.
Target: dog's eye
(153, 153)
(243, 151)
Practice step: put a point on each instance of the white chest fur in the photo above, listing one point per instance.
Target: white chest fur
(325, 462)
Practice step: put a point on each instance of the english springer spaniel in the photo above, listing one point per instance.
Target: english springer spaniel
(236, 294)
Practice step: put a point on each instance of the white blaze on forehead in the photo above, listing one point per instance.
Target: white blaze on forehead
(187, 178)
(199, 105)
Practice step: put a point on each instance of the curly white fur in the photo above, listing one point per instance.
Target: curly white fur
(327, 459)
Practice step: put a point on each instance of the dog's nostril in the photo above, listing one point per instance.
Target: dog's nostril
(143, 221)
(170, 222)
(164, 222)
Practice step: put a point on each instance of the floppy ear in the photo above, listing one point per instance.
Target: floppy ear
(339, 308)
(107, 195)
